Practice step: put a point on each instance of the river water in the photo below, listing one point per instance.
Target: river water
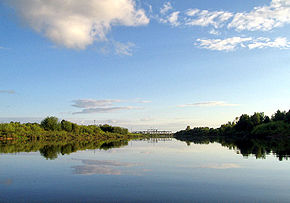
(145, 171)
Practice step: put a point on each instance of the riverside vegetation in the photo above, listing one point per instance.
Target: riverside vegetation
(52, 137)
(257, 134)
(51, 129)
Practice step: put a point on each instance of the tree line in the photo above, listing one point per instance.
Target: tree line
(246, 125)
(250, 134)
(52, 127)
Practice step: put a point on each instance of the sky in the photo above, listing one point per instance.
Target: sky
(143, 63)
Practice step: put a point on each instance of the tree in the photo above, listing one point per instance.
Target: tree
(66, 125)
(257, 118)
(187, 128)
(267, 119)
(287, 118)
(244, 123)
(279, 116)
(50, 123)
(106, 128)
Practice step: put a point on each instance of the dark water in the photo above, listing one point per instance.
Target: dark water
(145, 171)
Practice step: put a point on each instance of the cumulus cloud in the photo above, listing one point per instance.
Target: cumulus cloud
(208, 104)
(230, 44)
(263, 18)
(77, 24)
(7, 91)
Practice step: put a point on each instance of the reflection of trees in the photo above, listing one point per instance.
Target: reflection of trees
(51, 150)
(259, 147)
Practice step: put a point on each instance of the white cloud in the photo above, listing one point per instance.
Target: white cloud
(214, 32)
(280, 42)
(263, 18)
(208, 104)
(77, 24)
(203, 18)
(105, 109)
(92, 103)
(144, 101)
(124, 48)
(89, 106)
(192, 12)
(173, 18)
(166, 7)
(230, 44)
(195, 17)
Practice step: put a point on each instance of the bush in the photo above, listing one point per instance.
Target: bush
(272, 128)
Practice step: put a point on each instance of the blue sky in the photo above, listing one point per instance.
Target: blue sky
(143, 64)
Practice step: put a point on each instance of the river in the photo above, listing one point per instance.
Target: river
(164, 170)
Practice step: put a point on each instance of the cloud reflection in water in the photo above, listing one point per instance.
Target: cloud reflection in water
(103, 167)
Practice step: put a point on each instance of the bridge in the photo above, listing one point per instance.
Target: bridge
(154, 132)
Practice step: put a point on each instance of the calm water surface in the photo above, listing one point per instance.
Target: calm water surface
(145, 171)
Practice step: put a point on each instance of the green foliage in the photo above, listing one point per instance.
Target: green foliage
(111, 129)
(279, 116)
(257, 118)
(267, 119)
(287, 119)
(17, 129)
(272, 128)
(244, 126)
(50, 128)
(50, 124)
(66, 126)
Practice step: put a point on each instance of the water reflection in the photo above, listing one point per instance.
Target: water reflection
(104, 167)
(245, 146)
(51, 150)
(6, 181)
(141, 171)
